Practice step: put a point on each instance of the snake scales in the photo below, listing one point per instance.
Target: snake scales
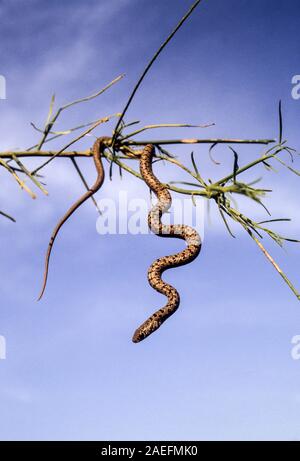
(186, 256)
(155, 271)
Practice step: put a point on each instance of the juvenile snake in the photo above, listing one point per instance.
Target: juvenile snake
(155, 271)
(98, 147)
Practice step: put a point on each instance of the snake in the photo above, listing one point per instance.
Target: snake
(155, 271)
(97, 151)
(181, 231)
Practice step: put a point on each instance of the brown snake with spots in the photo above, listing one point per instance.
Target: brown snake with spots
(186, 256)
(98, 148)
(155, 271)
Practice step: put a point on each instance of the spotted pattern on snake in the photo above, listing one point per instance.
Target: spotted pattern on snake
(181, 231)
(98, 148)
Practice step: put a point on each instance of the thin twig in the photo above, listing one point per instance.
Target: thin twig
(251, 165)
(199, 141)
(149, 65)
(30, 176)
(59, 134)
(165, 125)
(7, 216)
(87, 153)
(50, 123)
(85, 183)
(275, 265)
(280, 122)
(19, 181)
(99, 122)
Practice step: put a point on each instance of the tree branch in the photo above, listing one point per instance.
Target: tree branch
(88, 152)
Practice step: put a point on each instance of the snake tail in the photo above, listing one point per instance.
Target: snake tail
(98, 147)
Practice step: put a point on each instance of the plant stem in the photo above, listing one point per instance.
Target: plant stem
(150, 63)
(199, 141)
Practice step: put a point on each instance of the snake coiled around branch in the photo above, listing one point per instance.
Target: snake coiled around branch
(186, 256)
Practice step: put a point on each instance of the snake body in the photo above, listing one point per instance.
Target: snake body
(186, 256)
(98, 147)
(155, 271)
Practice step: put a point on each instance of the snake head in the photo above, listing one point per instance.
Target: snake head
(147, 328)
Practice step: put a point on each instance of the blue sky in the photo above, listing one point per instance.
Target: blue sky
(221, 367)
